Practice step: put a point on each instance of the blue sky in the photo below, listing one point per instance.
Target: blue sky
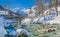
(18, 3)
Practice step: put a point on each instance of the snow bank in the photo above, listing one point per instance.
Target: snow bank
(56, 20)
(3, 32)
(21, 31)
(26, 21)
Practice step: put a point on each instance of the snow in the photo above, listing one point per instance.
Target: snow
(3, 32)
(19, 12)
(56, 20)
(26, 21)
(4, 23)
(21, 31)
(50, 17)
(45, 18)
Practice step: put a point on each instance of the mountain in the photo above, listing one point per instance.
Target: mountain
(56, 20)
(49, 17)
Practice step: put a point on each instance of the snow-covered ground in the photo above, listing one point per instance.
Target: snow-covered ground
(4, 23)
(3, 32)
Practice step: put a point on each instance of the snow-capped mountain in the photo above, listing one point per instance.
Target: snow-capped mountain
(19, 12)
(56, 20)
(50, 17)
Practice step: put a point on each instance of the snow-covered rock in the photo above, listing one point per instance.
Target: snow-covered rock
(21, 31)
(5, 27)
(39, 20)
(56, 20)
(3, 32)
(19, 12)
(50, 16)
(26, 21)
